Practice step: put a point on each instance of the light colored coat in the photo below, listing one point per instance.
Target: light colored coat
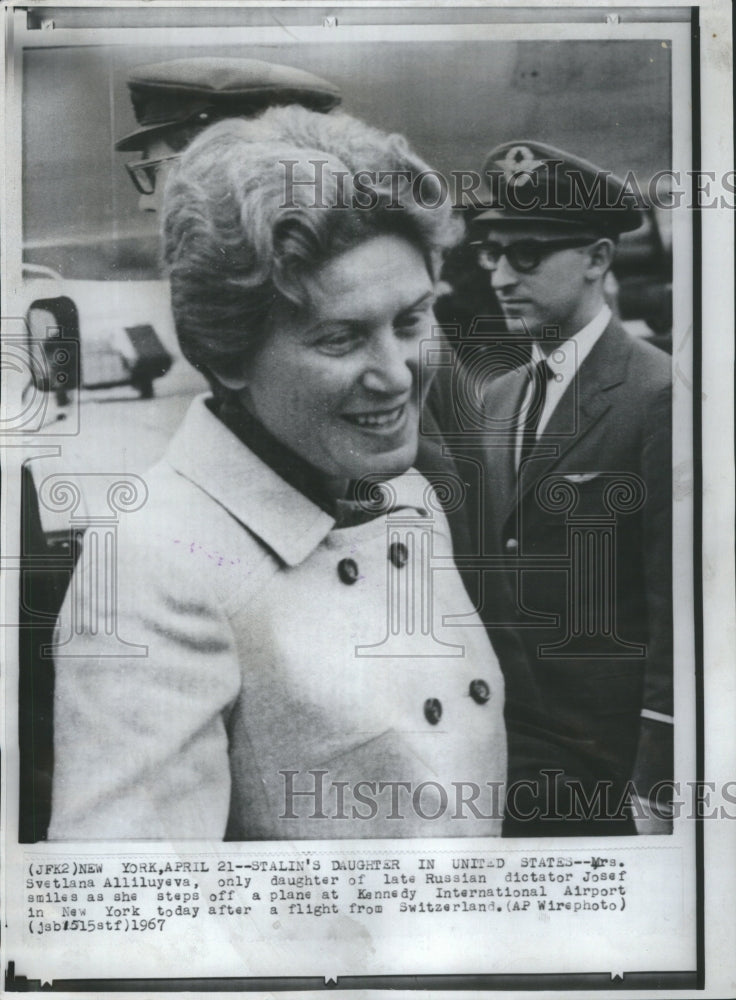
(251, 666)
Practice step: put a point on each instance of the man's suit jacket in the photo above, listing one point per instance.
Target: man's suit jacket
(584, 533)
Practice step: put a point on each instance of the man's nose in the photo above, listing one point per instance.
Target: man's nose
(503, 275)
(393, 365)
(154, 202)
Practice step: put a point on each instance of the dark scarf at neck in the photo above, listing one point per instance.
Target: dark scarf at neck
(292, 468)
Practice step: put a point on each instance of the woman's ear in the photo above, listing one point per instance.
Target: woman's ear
(230, 376)
(231, 380)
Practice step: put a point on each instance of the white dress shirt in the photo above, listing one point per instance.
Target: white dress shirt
(564, 361)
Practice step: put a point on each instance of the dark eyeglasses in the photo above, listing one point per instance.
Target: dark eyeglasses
(143, 172)
(524, 256)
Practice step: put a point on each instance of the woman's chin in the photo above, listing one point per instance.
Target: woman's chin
(387, 463)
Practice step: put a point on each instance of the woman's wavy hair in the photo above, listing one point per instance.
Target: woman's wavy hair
(256, 206)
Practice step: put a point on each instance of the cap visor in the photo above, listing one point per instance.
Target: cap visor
(142, 136)
(519, 215)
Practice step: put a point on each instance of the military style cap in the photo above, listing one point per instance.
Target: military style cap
(203, 90)
(529, 181)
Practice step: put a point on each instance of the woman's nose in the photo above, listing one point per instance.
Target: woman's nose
(393, 365)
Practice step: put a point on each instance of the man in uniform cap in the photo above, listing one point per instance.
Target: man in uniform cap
(577, 461)
(174, 101)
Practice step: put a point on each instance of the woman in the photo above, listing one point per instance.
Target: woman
(291, 573)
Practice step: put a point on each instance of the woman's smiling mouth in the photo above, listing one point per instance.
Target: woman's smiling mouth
(377, 419)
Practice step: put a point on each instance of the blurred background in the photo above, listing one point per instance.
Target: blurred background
(608, 101)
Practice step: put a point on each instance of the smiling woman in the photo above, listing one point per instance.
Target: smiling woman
(338, 382)
(290, 580)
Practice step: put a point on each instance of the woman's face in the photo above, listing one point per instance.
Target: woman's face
(338, 382)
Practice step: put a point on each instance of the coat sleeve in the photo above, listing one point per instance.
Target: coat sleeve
(141, 697)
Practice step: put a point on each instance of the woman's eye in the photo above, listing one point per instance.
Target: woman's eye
(339, 342)
(412, 323)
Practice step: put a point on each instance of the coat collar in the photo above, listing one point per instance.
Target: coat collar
(210, 455)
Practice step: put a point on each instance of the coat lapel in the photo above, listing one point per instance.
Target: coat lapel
(205, 451)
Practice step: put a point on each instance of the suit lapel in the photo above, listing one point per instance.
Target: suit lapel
(583, 404)
(502, 405)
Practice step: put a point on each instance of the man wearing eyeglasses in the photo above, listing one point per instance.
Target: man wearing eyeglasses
(577, 460)
(174, 101)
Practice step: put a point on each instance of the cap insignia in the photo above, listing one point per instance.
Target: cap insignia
(518, 165)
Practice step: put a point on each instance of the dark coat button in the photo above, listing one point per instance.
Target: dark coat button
(433, 710)
(398, 554)
(479, 691)
(347, 570)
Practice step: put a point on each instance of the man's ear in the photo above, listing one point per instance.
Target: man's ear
(601, 257)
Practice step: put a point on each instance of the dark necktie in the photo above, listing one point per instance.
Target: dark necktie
(540, 373)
